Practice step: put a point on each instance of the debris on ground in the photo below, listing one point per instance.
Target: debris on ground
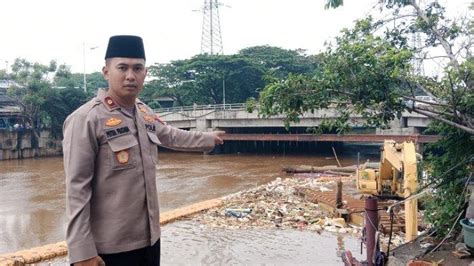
(280, 204)
(276, 205)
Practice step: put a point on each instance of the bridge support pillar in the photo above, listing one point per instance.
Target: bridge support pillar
(419, 148)
(203, 124)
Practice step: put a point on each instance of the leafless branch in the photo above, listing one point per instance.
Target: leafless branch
(453, 95)
(441, 119)
(446, 46)
(425, 102)
(385, 21)
(431, 110)
(432, 57)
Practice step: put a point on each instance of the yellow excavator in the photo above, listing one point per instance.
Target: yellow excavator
(394, 176)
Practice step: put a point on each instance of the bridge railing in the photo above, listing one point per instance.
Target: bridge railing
(206, 107)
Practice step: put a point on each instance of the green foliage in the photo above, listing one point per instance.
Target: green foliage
(278, 62)
(3, 74)
(333, 3)
(361, 75)
(64, 78)
(371, 75)
(32, 88)
(450, 163)
(59, 104)
(202, 78)
(45, 102)
(388, 3)
(96, 81)
(251, 104)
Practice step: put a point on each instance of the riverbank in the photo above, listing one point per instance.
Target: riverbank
(21, 144)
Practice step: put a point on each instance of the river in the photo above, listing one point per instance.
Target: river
(32, 205)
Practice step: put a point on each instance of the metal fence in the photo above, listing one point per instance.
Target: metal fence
(207, 107)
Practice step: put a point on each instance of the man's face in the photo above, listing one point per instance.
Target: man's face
(125, 76)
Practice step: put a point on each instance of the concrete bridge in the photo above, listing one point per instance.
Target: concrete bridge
(244, 126)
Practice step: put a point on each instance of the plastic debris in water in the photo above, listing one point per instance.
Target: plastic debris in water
(238, 213)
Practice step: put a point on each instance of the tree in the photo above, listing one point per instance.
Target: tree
(453, 88)
(202, 78)
(59, 104)
(361, 52)
(3, 74)
(280, 62)
(42, 102)
(96, 81)
(363, 72)
(369, 71)
(173, 80)
(64, 78)
(31, 90)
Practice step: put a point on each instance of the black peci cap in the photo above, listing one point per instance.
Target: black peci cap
(125, 46)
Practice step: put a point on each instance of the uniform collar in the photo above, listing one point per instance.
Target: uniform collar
(109, 103)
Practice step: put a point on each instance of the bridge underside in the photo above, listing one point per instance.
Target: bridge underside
(367, 138)
(241, 127)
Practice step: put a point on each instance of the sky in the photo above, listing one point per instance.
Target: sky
(41, 31)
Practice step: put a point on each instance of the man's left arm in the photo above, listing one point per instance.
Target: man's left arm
(179, 139)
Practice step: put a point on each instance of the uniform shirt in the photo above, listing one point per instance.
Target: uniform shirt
(110, 161)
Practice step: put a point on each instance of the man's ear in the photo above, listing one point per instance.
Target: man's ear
(105, 73)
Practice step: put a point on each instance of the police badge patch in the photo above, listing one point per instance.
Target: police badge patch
(122, 156)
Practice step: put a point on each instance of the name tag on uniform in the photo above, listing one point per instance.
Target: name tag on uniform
(150, 127)
(116, 132)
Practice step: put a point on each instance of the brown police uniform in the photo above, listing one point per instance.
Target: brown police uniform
(110, 161)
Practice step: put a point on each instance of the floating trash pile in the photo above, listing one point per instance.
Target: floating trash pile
(275, 205)
(279, 205)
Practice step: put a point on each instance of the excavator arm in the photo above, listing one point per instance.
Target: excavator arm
(396, 176)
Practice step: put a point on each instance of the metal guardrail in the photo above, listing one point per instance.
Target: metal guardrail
(371, 138)
(207, 107)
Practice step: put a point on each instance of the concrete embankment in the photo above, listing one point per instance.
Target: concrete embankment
(59, 249)
(22, 143)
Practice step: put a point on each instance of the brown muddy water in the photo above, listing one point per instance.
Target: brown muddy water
(32, 208)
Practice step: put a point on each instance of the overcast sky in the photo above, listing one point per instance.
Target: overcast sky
(56, 29)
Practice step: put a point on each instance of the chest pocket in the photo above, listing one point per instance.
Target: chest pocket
(124, 152)
(154, 147)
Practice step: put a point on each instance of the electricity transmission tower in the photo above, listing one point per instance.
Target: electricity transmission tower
(211, 38)
(417, 62)
(418, 68)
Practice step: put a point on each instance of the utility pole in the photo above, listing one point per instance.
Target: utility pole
(211, 37)
(84, 57)
(84, 61)
(223, 91)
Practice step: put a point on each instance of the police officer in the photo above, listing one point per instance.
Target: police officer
(110, 155)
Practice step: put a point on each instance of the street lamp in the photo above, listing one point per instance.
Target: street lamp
(84, 57)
